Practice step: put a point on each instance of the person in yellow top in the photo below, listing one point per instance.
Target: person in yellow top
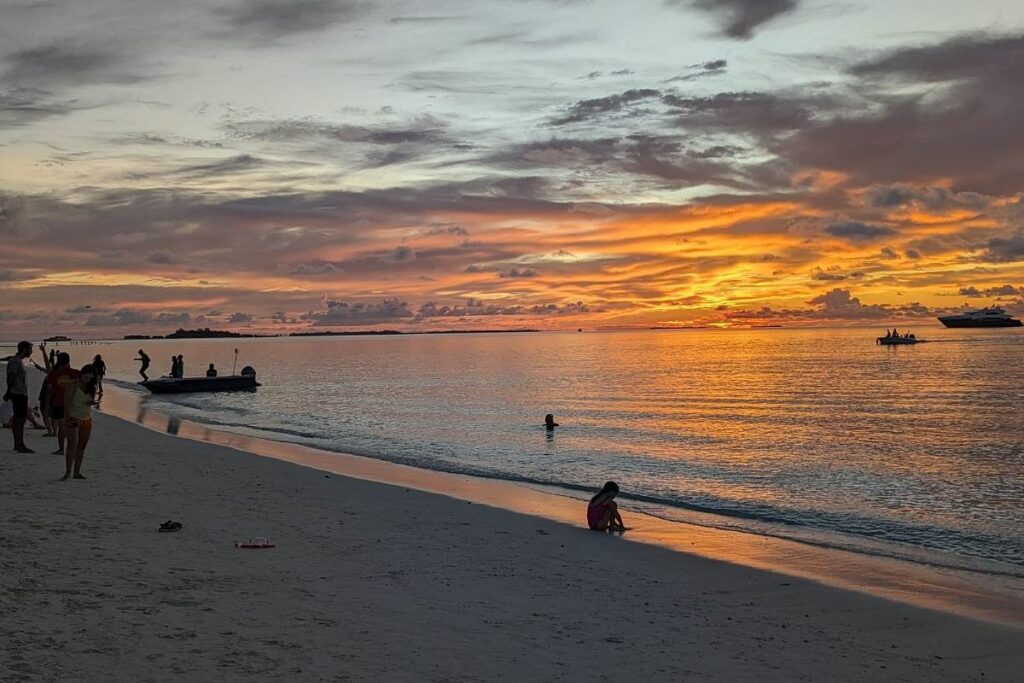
(79, 398)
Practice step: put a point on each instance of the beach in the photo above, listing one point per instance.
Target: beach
(376, 582)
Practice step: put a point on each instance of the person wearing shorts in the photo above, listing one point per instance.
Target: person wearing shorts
(57, 383)
(79, 399)
(17, 393)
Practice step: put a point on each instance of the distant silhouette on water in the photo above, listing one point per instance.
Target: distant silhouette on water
(549, 422)
(211, 371)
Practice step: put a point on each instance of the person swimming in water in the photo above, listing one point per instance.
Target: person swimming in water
(549, 422)
(603, 512)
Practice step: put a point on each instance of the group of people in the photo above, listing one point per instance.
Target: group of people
(177, 367)
(67, 397)
(66, 400)
(893, 334)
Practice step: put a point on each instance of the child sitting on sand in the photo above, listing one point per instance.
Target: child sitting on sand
(603, 513)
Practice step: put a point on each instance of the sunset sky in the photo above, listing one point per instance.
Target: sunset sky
(355, 164)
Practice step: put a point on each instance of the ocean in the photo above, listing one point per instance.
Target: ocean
(817, 434)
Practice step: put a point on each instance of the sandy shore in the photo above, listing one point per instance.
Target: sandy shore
(377, 582)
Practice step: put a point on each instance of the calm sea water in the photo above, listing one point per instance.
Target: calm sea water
(813, 434)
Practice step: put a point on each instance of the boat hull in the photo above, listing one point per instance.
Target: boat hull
(1009, 322)
(899, 341)
(187, 385)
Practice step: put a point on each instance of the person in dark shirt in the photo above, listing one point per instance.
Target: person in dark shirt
(100, 366)
(145, 365)
(211, 371)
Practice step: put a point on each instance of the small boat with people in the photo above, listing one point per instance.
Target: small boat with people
(985, 317)
(894, 338)
(246, 381)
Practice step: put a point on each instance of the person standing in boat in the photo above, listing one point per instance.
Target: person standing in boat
(145, 365)
(181, 366)
(211, 371)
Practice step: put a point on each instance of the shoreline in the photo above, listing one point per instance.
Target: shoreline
(976, 594)
(372, 581)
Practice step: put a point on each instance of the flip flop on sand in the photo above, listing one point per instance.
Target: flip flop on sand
(169, 526)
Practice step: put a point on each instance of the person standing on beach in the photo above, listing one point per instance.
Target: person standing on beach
(145, 365)
(56, 385)
(79, 398)
(17, 394)
(101, 370)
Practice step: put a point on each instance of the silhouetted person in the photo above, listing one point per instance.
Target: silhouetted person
(53, 358)
(211, 371)
(603, 512)
(174, 366)
(549, 422)
(79, 398)
(57, 382)
(100, 366)
(17, 394)
(145, 365)
(181, 366)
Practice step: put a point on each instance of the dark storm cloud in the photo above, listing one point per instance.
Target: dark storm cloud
(173, 319)
(967, 57)
(400, 254)
(314, 269)
(64, 65)
(23, 106)
(1003, 290)
(273, 19)
(664, 158)
(740, 18)
(518, 272)
(947, 110)
(359, 313)
(855, 230)
(162, 257)
(387, 145)
(715, 67)
(742, 111)
(1005, 250)
(241, 163)
(585, 110)
(422, 130)
(393, 310)
(931, 198)
(125, 316)
(7, 275)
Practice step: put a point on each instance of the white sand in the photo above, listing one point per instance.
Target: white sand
(376, 582)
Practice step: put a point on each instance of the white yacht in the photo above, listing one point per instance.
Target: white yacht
(986, 317)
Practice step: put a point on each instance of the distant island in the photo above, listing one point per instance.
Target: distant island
(207, 333)
(204, 333)
(359, 333)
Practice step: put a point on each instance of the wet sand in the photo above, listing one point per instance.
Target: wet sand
(377, 582)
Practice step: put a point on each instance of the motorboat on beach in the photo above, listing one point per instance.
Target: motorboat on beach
(985, 317)
(186, 385)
